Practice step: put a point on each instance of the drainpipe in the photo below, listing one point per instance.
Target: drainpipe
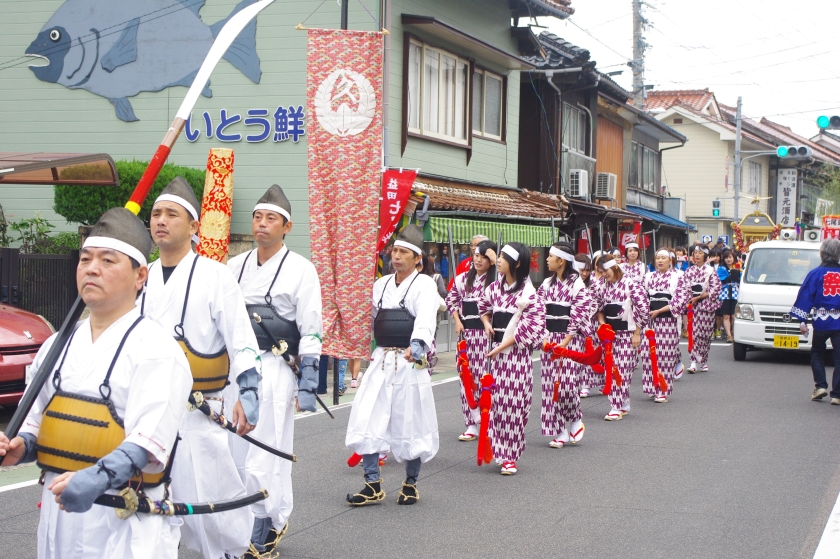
(385, 22)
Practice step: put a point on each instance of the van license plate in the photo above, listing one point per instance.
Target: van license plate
(786, 342)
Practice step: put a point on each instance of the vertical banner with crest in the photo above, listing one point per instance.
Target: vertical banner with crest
(344, 92)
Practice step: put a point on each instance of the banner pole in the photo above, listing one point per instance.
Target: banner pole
(452, 273)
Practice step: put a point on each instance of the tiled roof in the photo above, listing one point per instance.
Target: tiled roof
(778, 134)
(557, 8)
(486, 200)
(721, 122)
(697, 99)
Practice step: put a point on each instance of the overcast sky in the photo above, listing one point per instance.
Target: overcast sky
(781, 57)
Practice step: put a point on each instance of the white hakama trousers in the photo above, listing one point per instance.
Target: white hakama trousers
(99, 533)
(394, 410)
(276, 427)
(204, 471)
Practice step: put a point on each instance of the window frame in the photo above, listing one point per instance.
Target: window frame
(580, 132)
(422, 131)
(755, 177)
(646, 161)
(477, 69)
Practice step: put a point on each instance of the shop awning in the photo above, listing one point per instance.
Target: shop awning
(661, 218)
(463, 230)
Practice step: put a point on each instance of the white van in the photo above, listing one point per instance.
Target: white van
(769, 284)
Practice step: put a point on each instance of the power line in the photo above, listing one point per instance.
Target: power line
(597, 39)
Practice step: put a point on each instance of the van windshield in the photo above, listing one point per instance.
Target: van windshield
(780, 266)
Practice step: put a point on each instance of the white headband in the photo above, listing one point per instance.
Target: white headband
(702, 249)
(510, 251)
(631, 245)
(409, 246)
(579, 266)
(561, 254)
(273, 208)
(672, 255)
(118, 245)
(663, 252)
(609, 264)
(178, 200)
(596, 254)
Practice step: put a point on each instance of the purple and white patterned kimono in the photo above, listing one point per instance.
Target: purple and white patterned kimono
(664, 289)
(700, 279)
(625, 306)
(589, 378)
(466, 304)
(635, 271)
(512, 370)
(568, 310)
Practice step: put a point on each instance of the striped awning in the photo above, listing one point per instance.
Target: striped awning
(463, 230)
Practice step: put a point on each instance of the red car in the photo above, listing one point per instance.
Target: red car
(21, 336)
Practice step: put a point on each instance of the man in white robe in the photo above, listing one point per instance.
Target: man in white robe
(272, 273)
(147, 386)
(394, 408)
(214, 319)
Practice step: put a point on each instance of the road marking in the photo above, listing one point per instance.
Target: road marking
(18, 485)
(829, 546)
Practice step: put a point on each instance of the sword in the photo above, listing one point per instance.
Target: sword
(225, 38)
(128, 502)
(282, 349)
(196, 401)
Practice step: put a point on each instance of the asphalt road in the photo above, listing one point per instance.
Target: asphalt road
(740, 463)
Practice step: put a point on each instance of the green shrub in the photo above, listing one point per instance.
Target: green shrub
(34, 237)
(85, 204)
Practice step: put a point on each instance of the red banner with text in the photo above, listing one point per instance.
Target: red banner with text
(344, 95)
(396, 188)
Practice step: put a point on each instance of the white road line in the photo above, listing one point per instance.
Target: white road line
(18, 485)
(829, 546)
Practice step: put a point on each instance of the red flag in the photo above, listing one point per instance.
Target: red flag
(396, 188)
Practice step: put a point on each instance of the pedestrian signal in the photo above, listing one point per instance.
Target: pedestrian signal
(715, 208)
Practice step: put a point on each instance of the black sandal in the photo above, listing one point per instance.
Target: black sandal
(409, 494)
(370, 494)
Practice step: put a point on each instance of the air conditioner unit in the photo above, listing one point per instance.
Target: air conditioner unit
(812, 235)
(578, 183)
(605, 186)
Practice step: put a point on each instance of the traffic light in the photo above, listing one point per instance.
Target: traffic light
(715, 208)
(829, 122)
(794, 152)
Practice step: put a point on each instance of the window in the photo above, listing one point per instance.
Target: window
(754, 186)
(487, 97)
(437, 93)
(643, 164)
(574, 129)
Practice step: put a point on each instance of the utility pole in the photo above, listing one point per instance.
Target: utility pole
(737, 157)
(345, 4)
(638, 62)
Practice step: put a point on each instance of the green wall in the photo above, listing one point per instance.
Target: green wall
(41, 116)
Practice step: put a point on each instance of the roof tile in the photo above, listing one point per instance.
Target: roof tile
(696, 99)
(488, 200)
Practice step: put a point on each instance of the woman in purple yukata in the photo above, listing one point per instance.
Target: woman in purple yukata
(462, 303)
(568, 315)
(668, 293)
(705, 299)
(515, 321)
(633, 268)
(624, 307)
(594, 285)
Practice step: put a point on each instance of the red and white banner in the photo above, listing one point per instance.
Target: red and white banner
(344, 94)
(628, 234)
(396, 188)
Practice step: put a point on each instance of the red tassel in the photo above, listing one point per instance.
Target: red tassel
(354, 460)
(690, 328)
(607, 336)
(658, 378)
(556, 397)
(485, 450)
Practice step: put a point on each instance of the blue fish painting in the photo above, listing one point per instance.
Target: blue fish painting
(118, 48)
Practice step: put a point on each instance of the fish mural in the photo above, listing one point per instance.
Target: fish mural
(118, 48)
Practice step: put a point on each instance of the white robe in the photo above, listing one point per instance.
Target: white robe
(205, 470)
(148, 389)
(296, 295)
(394, 408)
